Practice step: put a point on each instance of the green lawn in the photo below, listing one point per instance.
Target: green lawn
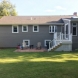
(38, 65)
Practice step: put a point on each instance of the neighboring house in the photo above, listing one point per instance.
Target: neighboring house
(54, 30)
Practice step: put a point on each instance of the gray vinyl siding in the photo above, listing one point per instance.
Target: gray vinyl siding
(74, 38)
(59, 28)
(9, 39)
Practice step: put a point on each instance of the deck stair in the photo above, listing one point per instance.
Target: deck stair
(59, 39)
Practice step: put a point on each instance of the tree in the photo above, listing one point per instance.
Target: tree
(7, 8)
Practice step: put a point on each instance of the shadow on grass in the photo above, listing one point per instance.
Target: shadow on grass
(38, 65)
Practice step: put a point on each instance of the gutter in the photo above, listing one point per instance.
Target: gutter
(37, 24)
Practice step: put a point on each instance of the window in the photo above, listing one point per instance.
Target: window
(15, 29)
(46, 42)
(35, 28)
(27, 42)
(52, 29)
(74, 24)
(24, 28)
(74, 30)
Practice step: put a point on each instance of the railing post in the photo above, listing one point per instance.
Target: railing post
(55, 42)
(71, 37)
(49, 45)
(55, 35)
(60, 36)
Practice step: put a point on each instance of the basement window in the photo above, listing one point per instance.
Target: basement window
(46, 42)
(27, 42)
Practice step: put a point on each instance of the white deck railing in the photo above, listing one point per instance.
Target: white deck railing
(54, 43)
(59, 38)
(63, 37)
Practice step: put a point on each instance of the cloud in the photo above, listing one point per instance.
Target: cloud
(49, 10)
(60, 8)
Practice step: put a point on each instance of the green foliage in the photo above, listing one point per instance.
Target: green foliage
(38, 65)
(7, 8)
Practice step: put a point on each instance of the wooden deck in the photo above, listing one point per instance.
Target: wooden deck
(31, 50)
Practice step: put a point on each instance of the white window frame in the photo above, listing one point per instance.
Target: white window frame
(26, 27)
(76, 29)
(28, 42)
(37, 28)
(52, 29)
(45, 42)
(74, 25)
(13, 28)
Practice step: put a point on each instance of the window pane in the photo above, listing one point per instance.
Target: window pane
(55, 28)
(74, 30)
(47, 42)
(74, 24)
(15, 29)
(24, 28)
(35, 28)
(50, 29)
(26, 42)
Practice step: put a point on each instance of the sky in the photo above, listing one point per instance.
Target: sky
(45, 7)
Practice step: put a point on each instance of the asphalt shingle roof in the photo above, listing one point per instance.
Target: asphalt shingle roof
(32, 19)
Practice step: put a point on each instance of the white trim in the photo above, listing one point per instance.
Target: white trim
(28, 42)
(69, 26)
(74, 25)
(66, 24)
(66, 19)
(37, 28)
(13, 28)
(26, 27)
(45, 42)
(76, 30)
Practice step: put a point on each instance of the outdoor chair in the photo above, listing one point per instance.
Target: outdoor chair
(38, 45)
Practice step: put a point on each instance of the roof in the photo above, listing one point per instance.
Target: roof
(75, 19)
(33, 19)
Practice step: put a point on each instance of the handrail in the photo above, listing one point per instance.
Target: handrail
(64, 36)
(50, 44)
(54, 43)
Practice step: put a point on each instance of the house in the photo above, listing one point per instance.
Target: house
(60, 31)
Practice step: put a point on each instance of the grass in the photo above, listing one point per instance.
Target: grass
(38, 65)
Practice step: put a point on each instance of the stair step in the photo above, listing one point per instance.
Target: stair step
(55, 47)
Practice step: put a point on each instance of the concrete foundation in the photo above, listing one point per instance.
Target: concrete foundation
(65, 47)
